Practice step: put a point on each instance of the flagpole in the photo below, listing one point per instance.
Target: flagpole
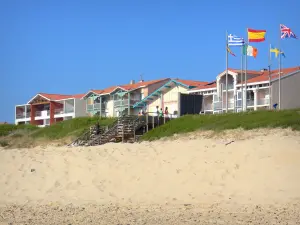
(279, 74)
(246, 61)
(269, 67)
(242, 74)
(226, 73)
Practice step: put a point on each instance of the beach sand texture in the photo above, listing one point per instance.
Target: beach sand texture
(240, 177)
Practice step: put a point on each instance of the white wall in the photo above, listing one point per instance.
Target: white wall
(170, 100)
(80, 108)
(110, 107)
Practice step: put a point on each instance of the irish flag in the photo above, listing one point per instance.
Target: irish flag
(250, 51)
(256, 35)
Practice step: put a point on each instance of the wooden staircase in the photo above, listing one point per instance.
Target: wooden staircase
(122, 130)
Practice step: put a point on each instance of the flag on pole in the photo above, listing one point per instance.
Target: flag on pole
(277, 52)
(234, 40)
(256, 35)
(250, 51)
(228, 49)
(286, 32)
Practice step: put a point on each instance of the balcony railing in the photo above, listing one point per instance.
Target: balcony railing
(96, 107)
(250, 102)
(230, 87)
(124, 102)
(263, 101)
(22, 115)
(208, 106)
(44, 112)
(217, 105)
(59, 111)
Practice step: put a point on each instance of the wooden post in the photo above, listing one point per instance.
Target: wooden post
(100, 106)
(128, 103)
(147, 122)
(153, 122)
(123, 132)
(133, 133)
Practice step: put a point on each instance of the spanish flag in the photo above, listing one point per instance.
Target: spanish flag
(256, 35)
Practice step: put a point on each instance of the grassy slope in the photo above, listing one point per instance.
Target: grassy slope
(249, 120)
(28, 135)
(74, 127)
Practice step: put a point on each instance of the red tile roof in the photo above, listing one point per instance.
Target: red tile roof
(56, 97)
(192, 82)
(127, 87)
(137, 85)
(264, 76)
(261, 76)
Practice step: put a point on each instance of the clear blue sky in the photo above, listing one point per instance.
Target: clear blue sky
(71, 46)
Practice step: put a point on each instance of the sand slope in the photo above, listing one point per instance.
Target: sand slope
(165, 179)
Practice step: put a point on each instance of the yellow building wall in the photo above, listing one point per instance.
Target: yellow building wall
(170, 100)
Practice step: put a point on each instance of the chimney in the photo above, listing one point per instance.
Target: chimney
(132, 82)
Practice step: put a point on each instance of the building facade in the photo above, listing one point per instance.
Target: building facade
(260, 91)
(46, 109)
(117, 100)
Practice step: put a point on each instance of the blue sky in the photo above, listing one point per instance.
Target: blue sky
(71, 46)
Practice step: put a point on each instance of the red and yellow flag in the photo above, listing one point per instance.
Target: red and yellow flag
(256, 35)
(228, 49)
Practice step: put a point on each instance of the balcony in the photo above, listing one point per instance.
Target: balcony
(250, 102)
(230, 87)
(217, 105)
(96, 107)
(22, 115)
(124, 102)
(42, 113)
(208, 106)
(58, 111)
(263, 101)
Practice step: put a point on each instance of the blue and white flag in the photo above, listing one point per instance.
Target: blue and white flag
(234, 40)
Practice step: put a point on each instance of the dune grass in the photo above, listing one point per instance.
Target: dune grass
(219, 122)
(6, 129)
(74, 127)
(28, 135)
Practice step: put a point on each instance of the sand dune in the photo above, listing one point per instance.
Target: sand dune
(192, 179)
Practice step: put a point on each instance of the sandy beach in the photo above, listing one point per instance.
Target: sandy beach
(237, 177)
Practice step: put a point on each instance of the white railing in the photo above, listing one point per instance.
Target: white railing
(263, 101)
(96, 106)
(22, 115)
(250, 102)
(208, 106)
(124, 102)
(39, 113)
(58, 111)
(217, 105)
(230, 87)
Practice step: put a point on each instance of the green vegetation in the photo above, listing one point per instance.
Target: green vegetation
(219, 122)
(73, 128)
(28, 135)
(6, 129)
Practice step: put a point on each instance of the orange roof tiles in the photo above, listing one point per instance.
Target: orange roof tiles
(127, 87)
(274, 74)
(137, 85)
(56, 97)
(261, 76)
(192, 82)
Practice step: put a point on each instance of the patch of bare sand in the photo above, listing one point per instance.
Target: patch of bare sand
(201, 178)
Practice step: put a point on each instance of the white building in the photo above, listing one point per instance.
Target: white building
(262, 91)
